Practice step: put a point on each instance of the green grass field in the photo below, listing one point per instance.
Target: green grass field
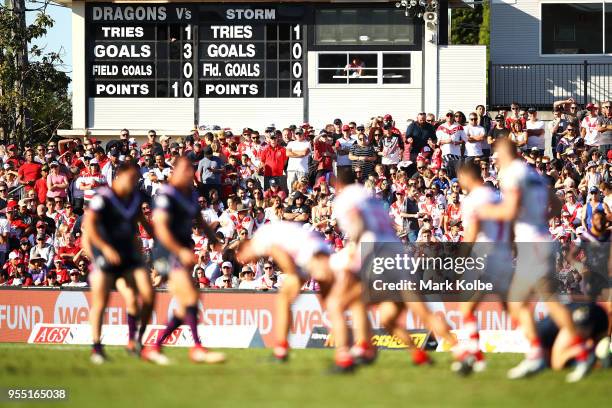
(248, 380)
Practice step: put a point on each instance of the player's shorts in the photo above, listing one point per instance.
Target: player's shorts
(130, 260)
(534, 270)
(306, 254)
(165, 261)
(499, 269)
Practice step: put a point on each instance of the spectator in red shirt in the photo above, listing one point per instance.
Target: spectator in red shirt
(61, 272)
(40, 185)
(13, 157)
(273, 158)
(29, 172)
(324, 154)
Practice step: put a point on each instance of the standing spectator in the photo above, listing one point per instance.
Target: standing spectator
(362, 157)
(588, 126)
(535, 131)
(4, 238)
(593, 204)
(498, 130)
(474, 136)
(518, 135)
(604, 128)
(298, 151)
(29, 171)
(40, 185)
(273, 158)
(155, 147)
(343, 147)
(323, 154)
(110, 167)
(557, 128)
(515, 115)
(484, 119)
(392, 147)
(209, 172)
(410, 214)
(57, 183)
(450, 137)
(419, 134)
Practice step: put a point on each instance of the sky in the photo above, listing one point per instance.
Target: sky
(58, 38)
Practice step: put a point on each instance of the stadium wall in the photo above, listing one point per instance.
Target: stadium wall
(21, 309)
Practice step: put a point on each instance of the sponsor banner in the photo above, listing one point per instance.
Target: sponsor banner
(321, 338)
(492, 341)
(211, 336)
(21, 310)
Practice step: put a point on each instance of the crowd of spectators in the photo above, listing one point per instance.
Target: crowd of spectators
(251, 178)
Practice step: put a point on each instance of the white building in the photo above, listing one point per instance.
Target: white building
(546, 50)
(172, 65)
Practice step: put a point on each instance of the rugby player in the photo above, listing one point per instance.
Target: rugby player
(490, 239)
(365, 222)
(301, 255)
(176, 207)
(110, 230)
(528, 201)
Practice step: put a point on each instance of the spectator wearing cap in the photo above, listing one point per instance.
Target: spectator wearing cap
(498, 130)
(592, 178)
(392, 147)
(42, 248)
(588, 125)
(298, 152)
(63, 276)
(20, 276)
(89, 180)
(362, 156)
(324, 154)
(298, 211)
(535, 131)
(13, 156)
(450, 136)
(29, 171)
(273, 159)
(226, 280)
(196, 153)
(419, 134)
(57, 183)
(109, 170)
(454, 234)
(247, 278)
(37, 271)
(75, 280)
(604, 129)
(342, 148)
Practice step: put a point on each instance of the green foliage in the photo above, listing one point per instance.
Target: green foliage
(470, 25)
(34, 100)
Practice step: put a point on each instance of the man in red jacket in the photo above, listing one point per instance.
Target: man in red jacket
(273, 158)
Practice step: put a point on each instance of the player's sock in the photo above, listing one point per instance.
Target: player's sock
(420, 357)
(281, 349)
(97, 347)
(535, 350)
(170, 327)
(583, 354)
(191, 319)
(363, 351)
(470, 324)
(141, 332)
(131, 322)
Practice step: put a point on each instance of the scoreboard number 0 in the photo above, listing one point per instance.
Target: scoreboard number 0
(187, 89)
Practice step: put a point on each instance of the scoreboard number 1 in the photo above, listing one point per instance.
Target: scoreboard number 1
(187, 68)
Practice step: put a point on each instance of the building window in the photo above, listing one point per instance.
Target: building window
(364, 68)
(387, 26)
(574, 28)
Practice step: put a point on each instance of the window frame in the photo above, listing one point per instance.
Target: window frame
(414, 68)
(419, 30)
(603, 31)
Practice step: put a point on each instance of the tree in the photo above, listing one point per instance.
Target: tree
(34, 100)
(468, 25)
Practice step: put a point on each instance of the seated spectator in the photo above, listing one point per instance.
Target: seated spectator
(75, 280)
(202, 282)
(247, 278)
(226, 280)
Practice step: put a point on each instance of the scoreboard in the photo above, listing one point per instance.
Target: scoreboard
(195, 50)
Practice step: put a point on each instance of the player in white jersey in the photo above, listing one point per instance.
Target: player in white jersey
(300, 254)
(526, 200)
(365, 221)
(483, 238)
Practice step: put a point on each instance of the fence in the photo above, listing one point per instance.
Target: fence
(539, 85)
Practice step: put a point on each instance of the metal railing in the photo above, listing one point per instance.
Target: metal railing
(540, 85)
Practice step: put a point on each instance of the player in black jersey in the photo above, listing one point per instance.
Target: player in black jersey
(175, 208)
(110, 230)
